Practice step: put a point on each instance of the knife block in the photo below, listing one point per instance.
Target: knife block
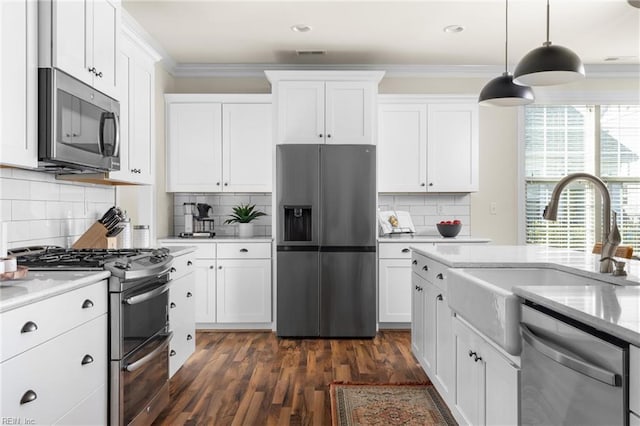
(96, 237)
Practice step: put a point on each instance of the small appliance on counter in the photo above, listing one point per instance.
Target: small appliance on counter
(395, 222)
(197, 223)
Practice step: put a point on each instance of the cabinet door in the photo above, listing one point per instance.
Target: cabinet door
(445, 373)
(140, 145)
(246, 147)
(18, 83)
(429, 293)
(205, 290)
(502, 382)
(105, 31)
(194, 147)
(181, 321)
(402, 148)
(469, 389)
(349, 112)
(452, 150)
(244, 290)
(71, 28)
(125, 62)
(394, 290)
(301, 112)
(417, 315)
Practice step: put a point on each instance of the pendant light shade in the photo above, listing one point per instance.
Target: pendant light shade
(502, 91)
(549, 65)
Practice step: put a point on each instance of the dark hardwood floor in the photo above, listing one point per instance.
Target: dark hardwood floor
(255, 378)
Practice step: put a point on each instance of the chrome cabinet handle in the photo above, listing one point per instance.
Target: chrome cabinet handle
(189, 294)
(189, 263)
(244, 250)
(172, 269)
(471, 353)
(477, 358)
(570, 360)
(28, 327)
(440, 276)
(87, 304)
(439, 297)
(99, 74)
(189, 337)
(417, 287)
(414, 262)
(172, 353)
(92, 70)
(28, 397)
(172, 305)
(405, 250)
(147, 358)
(425, 268)
(146, 296)
(87, 359)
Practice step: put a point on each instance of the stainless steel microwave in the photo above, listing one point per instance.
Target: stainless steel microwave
(78, 126)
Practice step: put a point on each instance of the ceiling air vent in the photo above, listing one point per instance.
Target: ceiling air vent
(311, 52)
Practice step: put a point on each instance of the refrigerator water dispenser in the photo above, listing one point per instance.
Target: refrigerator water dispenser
(297, 223)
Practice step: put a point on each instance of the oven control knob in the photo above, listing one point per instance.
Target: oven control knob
(121, 265)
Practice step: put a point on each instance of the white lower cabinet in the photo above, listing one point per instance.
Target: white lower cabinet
(232, 284)
(634, 420)
(394, 278)
(487, 384)
(634, 385)
(417, 317)
(182, 312)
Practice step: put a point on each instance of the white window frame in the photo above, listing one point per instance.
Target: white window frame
(548, 96)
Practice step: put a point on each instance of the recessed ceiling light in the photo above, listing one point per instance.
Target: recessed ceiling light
(301, 28)
(453, 29)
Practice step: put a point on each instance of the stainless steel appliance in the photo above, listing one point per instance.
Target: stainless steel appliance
(326, 230)
(78, 127)
(197, 223)
(571, 373)
(138, 318)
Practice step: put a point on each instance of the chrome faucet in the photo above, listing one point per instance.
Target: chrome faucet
(610, 234)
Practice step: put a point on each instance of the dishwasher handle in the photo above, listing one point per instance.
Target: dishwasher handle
(570, 360)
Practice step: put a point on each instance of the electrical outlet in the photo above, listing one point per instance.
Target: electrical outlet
(493, 208)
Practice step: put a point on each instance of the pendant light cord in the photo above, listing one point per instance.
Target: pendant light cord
(506, 36)
(547, 43)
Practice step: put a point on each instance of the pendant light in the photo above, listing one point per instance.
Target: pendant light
(502, 91)
(549, 65)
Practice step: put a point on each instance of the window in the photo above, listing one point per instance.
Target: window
(603, 140)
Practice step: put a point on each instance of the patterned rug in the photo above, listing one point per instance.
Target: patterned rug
(387, 404)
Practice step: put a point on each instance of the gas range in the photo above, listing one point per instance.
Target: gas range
(125, 264)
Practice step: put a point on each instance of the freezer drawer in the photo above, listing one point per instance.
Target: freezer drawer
(348, 294)
(298, 297)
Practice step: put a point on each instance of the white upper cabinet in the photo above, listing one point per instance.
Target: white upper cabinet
(137, 152)
(219, 143)
(18, 83)
(84, 38)
(427, 144)
(333, 107)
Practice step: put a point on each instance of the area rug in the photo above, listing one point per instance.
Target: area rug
(387, 404)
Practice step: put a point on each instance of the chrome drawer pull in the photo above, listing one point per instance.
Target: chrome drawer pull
(87, 304)
(172, 269)
(87, 359)
(28, 397)
(172, 353)
(189, 294)
(28, 327)
(440, 277)
(405, 250)
(244, 250)
(415, 262)
(439, 297)
(471, 353)
(425, 268)
(189, 337)
(172, 305)
(147, 358)
(189, 263)
(139, 298)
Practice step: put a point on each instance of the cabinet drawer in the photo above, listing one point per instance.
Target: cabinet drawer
(183, 344)
(182, 265)
(634, 379)
(49, 318)
(203, 250)
(93, 410)
(399, 250)
(182, 302)
(244, 251)
(59, 374)
(430, 270)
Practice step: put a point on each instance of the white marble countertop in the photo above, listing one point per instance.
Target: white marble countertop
(176, 251)
(221, 239)
(410, 238)
(39, 285)
(613, 307)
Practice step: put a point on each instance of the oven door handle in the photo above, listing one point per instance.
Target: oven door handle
(139, 298)
(570, 360)
(147, 358)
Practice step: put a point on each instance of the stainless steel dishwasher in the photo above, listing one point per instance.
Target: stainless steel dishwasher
(571, 373)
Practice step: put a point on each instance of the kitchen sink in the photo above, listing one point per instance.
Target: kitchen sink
(483, 297)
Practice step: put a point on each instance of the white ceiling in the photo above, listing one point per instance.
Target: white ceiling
(389, 32)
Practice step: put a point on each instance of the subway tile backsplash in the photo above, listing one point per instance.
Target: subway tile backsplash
(39, 210)
(222, 205)
(428, 209)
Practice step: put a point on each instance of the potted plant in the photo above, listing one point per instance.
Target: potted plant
(243, 215)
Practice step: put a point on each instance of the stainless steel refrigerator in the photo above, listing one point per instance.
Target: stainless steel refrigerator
(326, 231)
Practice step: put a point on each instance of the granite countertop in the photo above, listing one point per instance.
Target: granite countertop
(220, 239)
(613, 306)
(39, 285)
(409, 238)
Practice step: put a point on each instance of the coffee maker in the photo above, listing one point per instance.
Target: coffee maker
(197, 223)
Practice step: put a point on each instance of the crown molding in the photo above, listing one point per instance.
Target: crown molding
(132, 29)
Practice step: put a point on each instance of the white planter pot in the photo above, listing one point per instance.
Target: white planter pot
(245, 230)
